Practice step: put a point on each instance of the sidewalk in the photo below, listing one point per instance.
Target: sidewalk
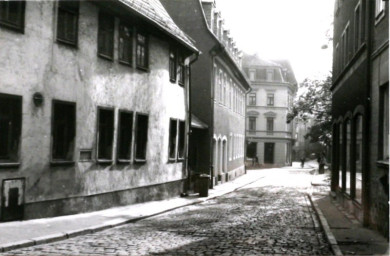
(18, 234)
(343, 231)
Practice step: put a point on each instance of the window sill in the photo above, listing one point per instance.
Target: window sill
(104, 161)
(71, 44)
(181, 84)
(145, 69)
(379, 17)
(180, 160)
(9, 165)
(382, 164)
(61, 162)
(140, 161)
(12, 27)
(106, 57)
(123, 161)
(172, 80)
(125, 63)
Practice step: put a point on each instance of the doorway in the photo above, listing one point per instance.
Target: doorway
(269, 153)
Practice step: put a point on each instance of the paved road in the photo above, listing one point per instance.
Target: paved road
(271, 216)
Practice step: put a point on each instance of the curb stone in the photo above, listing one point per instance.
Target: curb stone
(92, 229)
(325, 226)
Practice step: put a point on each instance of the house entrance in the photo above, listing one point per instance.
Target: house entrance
(269, 153)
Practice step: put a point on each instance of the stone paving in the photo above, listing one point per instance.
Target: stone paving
(258, 220)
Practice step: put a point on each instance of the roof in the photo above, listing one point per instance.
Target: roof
(290, 76)
(255, 60)
(155, 12)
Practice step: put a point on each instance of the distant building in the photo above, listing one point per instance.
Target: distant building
(87, 119)
(269, 137)
(360, 110)
(218, 89)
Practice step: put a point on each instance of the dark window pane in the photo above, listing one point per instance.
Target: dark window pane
(172, 65)
(12, 14)
(125, 135)
(125, 45)
(181, 70)
(141, 137)
(10, 127)
(106, 35)
(67, 23)
(181, 139)
(63, 130)
(105, 134)
(172, 138)
(142, 51)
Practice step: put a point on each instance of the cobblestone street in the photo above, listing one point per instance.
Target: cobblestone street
(271, 216)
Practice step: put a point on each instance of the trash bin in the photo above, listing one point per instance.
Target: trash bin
(204, 180)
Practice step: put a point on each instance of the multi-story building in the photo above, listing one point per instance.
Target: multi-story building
(268, 135)
(218, 89)
(87, 119)
(360, 110)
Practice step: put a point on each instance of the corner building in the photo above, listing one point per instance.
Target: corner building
(87, 119)
(218, 88)
(360, 110)
(268, 135)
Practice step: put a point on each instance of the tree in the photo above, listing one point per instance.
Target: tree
(315, 103)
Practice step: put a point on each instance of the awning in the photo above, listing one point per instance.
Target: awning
(196, 123)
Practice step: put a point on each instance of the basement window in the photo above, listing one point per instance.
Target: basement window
(67, 22)
(10, 127)
(125, 44)
(12, 15)
(63, 131)
(105, 134)
(141, 137)
(106, 36)
(181, 140)
(125, 129)
(172, 139)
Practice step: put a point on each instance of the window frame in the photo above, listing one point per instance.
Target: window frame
(21, 17)
(104, 160)
(181, 140)
(181, 70)
(252, 99)
(270, 99)
(121, 60)
(175, 138)
(145, 46)
(136, 137)
(270, 124)
(383, 139)
(9, 162)
(62, 160)
(65, 6)
(172, 64)
(119, 137)
(106, 33)
(252, 123)
(379, 10)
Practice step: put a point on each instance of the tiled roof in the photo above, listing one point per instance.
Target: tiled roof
(255, 60)
(155, 12)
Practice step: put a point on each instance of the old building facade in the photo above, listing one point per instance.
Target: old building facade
(218, 89)
(87, 119)
(360, 110)
(269, 137)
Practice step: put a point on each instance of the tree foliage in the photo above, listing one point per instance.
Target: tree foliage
(315, 104)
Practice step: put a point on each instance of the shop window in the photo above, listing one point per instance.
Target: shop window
(125, 131)
(270, 99)
(348, 157)
(141, 137)
(341, 158)
(142, 51)
(105, 134)
(172, 139)
(172, 65)
(106, 36)
(67, 22)
(63, 130)
(181, 70)
(252, 123)
(10, 127)
(182, 138)
(12, 15)
(125, 44)
(358, 158)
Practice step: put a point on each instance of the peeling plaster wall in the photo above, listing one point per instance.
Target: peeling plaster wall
(34, 62)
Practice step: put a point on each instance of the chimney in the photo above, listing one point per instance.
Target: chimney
(225, 37)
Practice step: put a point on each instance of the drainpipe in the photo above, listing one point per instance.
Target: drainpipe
(187, 88)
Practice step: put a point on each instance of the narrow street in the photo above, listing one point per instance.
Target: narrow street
(272, 216)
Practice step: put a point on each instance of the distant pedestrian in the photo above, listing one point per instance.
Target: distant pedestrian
(321, 164)
(302, 162)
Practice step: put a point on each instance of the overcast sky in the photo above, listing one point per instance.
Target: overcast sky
(283, 29)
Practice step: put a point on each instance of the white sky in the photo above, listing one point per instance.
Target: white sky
(283, 29)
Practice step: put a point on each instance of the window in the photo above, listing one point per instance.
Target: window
(12, 14)
(379, 8)
(63, 130)
(270, 99)
(384, 123)
(125, 44)
(270, 125)
(10, 127)
(141, 137)
(172, 65)
(181, 70)
(252, 99)
(252, 75)
(172, 139)
(142, 51)
(67, 22)
(125, 129)
(341, 159)
(181, 139)
(105, 134)
(270, 75)
(358, 158)
(357, 28)
(106, 36)
(348, 157)
(336, 60)
(252, 123)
